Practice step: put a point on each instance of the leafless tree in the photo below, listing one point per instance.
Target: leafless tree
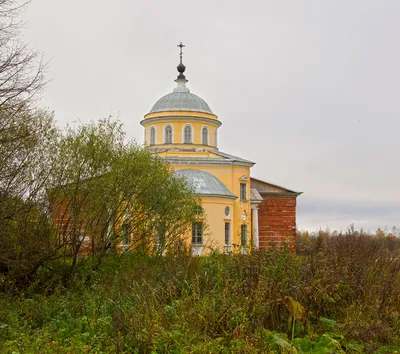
(21, 69)
(25, 135)
(62, 190)
(22, 126)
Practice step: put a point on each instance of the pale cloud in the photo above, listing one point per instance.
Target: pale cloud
(307, 89)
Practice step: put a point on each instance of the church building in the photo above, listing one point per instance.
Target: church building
(239, 210)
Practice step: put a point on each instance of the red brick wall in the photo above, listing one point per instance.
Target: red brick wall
(63, 220)
(277, 219)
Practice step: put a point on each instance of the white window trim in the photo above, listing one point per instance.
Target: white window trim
(202, 234)
(230, 211)
(216, 137)
(229, 234)
(197, 250)
(183, 133)
(165, 135)
(246, 191)
(126, 245)
(208, 135)
(246, 245)
(155, 135)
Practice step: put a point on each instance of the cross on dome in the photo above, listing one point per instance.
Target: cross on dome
(181, 99)
(181, 79)
(180, 45)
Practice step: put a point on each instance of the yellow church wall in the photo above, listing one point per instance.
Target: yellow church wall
(198, 116)
(178, 126)
(214, 221)
(231, 176)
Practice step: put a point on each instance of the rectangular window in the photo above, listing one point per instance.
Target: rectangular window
(197, 233)
(243, 235)
(126, 235)
(227, 233)
(243, 191)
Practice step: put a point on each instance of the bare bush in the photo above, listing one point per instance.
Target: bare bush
(21, 69)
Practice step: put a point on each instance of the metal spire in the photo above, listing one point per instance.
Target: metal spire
(181, 68)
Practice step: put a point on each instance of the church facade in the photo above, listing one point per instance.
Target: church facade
(240, 211)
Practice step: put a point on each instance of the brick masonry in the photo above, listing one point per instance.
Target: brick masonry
(277, 219)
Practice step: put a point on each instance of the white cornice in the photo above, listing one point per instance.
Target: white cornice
(211, 121)
(205, 161)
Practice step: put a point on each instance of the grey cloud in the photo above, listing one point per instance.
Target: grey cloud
(307, 89)
(316, 213)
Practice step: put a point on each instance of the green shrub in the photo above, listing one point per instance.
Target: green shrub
(346, 301)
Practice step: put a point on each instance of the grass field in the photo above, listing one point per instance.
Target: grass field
(336, 295)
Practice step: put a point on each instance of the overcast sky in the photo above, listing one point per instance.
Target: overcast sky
(309, 90)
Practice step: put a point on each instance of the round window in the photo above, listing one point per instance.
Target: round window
(227, 211)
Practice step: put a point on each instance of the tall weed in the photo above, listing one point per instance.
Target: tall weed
(348, 290)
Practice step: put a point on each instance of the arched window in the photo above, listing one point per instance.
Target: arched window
(187, 135)
(215, 138)
(152, 136)
(204, 136)
(168, 135)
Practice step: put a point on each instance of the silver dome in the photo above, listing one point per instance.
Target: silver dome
(205, 184)
(181, 100)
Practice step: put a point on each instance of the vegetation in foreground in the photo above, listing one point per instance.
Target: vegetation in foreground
(335, 294)
(340, 294)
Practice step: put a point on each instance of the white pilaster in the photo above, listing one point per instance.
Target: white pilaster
(254, 219)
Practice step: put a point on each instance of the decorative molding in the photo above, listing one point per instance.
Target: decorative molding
(206, 161)
(188, 113)
(217, 196)
(213, 122)
(216, 137)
